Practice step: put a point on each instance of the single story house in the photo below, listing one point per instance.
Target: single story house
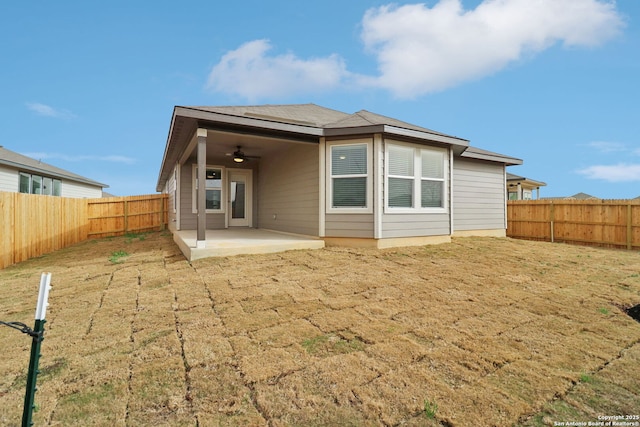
(348, 179)
(23, 174)
(521, 188)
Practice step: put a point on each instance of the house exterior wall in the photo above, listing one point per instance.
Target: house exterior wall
(479, 193)
(188, 219)
(76, 189)
(8, 179)
(288, 190)
(170, 188)
(410, 225)
(349, 225)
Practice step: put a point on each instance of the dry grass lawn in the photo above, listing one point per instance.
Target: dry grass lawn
(481, 331)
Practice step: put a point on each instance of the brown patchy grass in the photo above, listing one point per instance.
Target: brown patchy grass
(481, 331)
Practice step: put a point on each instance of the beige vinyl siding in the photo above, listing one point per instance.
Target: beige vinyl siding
(8, 179)
(349, 225)
(79, 190)
(288, 190)
(478, 195)
(418, 224)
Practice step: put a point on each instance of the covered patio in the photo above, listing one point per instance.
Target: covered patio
(239, 241)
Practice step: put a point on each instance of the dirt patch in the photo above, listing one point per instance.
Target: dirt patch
(480, 331)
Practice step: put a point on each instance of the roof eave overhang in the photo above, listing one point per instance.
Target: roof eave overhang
(209, 120)
(219, 121)
(459, 144)
(508, 161)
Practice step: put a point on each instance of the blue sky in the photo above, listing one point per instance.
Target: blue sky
(90, 86)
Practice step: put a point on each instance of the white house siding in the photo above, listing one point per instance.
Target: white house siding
(349, 225)
(79, 190)
(288, 190)
(478, 195)
(410, 225)
(8, 179)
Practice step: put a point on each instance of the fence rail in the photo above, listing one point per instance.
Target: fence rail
(33, 225)
(606, 223)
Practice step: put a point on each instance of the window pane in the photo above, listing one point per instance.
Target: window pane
(349, 192)
(349, 160)
(213, 199)
(432, 194)
(25, 182)
(47, 186)
(214, 178)
(36, 184)
(400, 193)
(432, 164)
(400, 161)
(57, 187)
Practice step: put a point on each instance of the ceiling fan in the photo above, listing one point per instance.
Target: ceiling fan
(240, 157)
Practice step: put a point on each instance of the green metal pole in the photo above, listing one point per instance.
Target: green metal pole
(37, 336)
(32, 376)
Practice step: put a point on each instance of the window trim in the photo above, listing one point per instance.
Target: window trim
(417, 179)
(194, 190)
(368, 209)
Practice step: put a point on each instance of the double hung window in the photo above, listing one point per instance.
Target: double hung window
(416, 178)
(349, 178)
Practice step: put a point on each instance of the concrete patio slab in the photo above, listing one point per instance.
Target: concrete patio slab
(239, 241)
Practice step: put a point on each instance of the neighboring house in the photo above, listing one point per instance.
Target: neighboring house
(350, 179)
(23, 174)
(577, 196)
(521, 188)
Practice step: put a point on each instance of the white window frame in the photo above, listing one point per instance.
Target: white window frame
(51, 181)
(417, 179)
(368, 208)
(194, 188)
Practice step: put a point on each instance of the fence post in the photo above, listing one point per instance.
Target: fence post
(552, 217)
(126, 216)
(629, 227)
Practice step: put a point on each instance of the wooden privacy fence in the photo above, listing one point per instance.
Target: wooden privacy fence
(607, 223)
(115, 216)
(33, 225)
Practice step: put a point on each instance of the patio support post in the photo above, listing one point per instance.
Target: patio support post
(201, 194)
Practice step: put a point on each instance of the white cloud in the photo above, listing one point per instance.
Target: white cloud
(48, 111)
(81, 158)
(621, 172)
(421, 49)
(248, 71)
(607, 147)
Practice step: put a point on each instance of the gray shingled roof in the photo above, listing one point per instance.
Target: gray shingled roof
(304, 121)
(28, 164)
(301, 114)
